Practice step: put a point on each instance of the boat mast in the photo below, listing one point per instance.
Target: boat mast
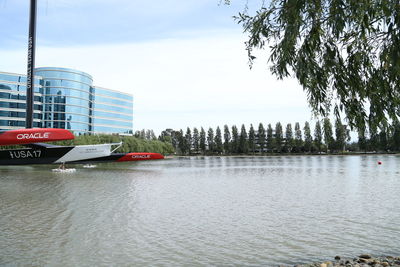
(31, 65)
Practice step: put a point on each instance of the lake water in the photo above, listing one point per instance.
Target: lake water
(201, 211)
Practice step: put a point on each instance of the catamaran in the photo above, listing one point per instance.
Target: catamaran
(35, 150)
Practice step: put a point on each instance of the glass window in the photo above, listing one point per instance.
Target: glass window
(18, 123)
(127, 110)
(66, 117)
(106, 92)
(67, 92)
(103, 129)
(18, 105)
(112, 122)
(68, 84)
(106, 100)
(63, 74)
(97, 113)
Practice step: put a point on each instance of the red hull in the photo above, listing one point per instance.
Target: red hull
(33, 135)
(140, 156)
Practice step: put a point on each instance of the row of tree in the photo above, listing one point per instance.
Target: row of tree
(279, 139)
(129, 143)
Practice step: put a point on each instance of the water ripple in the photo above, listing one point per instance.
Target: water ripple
(247, 211)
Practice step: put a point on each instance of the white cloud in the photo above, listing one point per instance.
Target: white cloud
(202, 81)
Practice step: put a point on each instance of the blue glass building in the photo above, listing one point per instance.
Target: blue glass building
(67, 99)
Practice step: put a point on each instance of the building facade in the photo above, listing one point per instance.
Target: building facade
(67, 99)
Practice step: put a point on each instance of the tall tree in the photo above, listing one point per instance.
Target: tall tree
(328, 134)
(235, 140)
(373, 142)
(278, 137)
(270, 138)
(202, 140)
(298, 139)
(341, 137)
(383, 140)
(227, 140)
(143, 134)
(396, 137)
(196, 140)
(288, 138)
(210, 140)
(252, 139)
(261, 137)
(318, 136)
(219, 148)
(307, 137)
(349, 49)
(188, 137)
(243, 143)
(362, 139)
(182, 142)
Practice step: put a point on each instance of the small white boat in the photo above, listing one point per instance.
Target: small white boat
(69, 170)
(89, 166)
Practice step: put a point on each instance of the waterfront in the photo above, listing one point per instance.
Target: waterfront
(201, 211)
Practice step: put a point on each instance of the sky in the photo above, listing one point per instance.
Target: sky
(184, 62)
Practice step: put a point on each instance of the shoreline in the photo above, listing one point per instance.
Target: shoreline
(287, 155)
(362, 260)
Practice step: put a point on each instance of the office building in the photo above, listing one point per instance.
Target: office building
(67, 99)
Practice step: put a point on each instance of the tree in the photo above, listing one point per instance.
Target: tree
(288, 138)
(150, 135)
(278, 137)
(307, 137)
(362, 139)
(395, 140)
(252, 139)
(235, 140)
(328, 134)
(373, 142)
(383, 141)
(318, 136)
(349, 49)
(142, 134)
(227, 139)
(196, 140)
(341, 137)
(181, 142)
(298, 139)
(202, 140)
(210, 140)
(243, 145)
(261, 137)
(270, 138)
(219, 148)
(188, 143)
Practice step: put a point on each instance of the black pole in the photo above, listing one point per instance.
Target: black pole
(31, 65)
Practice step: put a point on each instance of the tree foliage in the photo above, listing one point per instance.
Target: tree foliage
(252, 139)
(243, 141)
(261, 137)
(289, 142)
(278, 137)
(219, 148)
(318, 136)
(227, 139)
(307, 137)
(344, 53)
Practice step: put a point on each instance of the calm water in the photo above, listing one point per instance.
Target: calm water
(201, 211)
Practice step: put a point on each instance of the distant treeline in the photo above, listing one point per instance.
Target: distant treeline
(129, 143)
(278, 139)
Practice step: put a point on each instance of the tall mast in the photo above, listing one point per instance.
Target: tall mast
(31, 65)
